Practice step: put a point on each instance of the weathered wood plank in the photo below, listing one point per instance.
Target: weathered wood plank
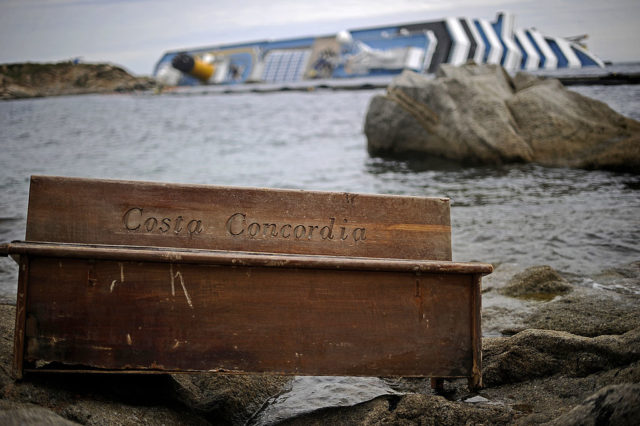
(19, 334)
(72, 210)
(148, 315)
(234, 258)
(475, 308)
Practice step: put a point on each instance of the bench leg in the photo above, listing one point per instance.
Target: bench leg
(437, 384)
(21, 315)
(475, 382)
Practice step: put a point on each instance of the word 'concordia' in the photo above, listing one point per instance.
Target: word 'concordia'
(237, 224)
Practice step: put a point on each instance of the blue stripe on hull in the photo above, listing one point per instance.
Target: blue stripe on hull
(562, 60)
(535, 46)
(497, 27)
(585, 60)
(523, 52)
(487, 45)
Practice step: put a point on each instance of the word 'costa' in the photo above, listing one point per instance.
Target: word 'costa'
(237, 224)
(135, 219)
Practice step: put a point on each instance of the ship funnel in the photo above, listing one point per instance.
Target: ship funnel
(193, 66)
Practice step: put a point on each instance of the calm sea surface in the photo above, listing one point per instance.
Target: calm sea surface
(577, 221)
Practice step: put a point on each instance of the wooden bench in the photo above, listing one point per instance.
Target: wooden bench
(154, 278)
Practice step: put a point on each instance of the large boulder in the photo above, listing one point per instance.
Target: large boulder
(479, 114)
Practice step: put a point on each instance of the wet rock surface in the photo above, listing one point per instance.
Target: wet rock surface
(542, 353)
(570, 360)
(615, 405)
(411, 409)
(479, 114)
(588, 316)
(32, 415)
(537, 282)
(621, 279)
(29, 80)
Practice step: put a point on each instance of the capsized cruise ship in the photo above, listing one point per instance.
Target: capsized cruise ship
(379, 51)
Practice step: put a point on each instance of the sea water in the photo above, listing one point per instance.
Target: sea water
(577, 221)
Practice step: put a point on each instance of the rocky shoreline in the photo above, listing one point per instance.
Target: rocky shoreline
(30, 80)
(557, 350)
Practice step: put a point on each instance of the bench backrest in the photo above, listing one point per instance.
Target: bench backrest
(88, 211)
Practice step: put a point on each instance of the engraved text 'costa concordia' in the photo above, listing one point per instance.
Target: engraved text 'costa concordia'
(239, 225)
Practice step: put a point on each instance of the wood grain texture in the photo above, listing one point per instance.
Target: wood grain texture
(146, 315)
(72, 210)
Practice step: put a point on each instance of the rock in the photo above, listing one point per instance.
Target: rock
(419, 114)
(32, 416)
(66, 78)
(309, 394)
(613, 405)
(234, 398)
(502, 313)
(538, 283)
(368, 413)
(542, 353)
(544, 399)
(623, 279)
(588, 315)
(476, 400)
(479, 114)
(412, 409)
(605, 303)
(523, 80)
(565, 128)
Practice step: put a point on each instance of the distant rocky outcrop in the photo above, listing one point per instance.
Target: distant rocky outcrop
(28, 80)
(479, 114)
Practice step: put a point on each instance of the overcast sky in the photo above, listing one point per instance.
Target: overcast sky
(135, 33)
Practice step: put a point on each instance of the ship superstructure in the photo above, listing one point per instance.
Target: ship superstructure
(378, 51)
